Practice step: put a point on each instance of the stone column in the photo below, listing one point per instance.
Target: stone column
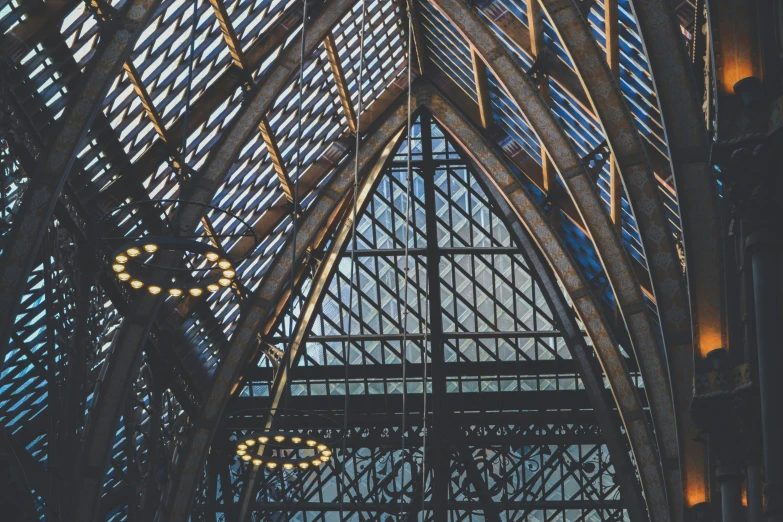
(730, 480)
(753, 489)
(765, 258)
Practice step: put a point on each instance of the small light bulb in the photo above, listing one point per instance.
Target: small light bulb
(154, 290)
(304, 465)
(250, 442)
(263, 440)
(326, 453)
(212, 256)
(257, 462)
(317, 463)
(229, 273)
(241, 452)
(175, 292)
(279, 438)
(296, 440)
(242, 446)
(123, 276)
(247, 458)
(271, 465)
(195, 292)
(224, 282)
(121, 258)
(133, 251)
(321, 447)
(151, 248)
(118, 268)
(225, 265)
(325, 459)
(136, 284)
(311, 443)
(213, 288)
(288, 465)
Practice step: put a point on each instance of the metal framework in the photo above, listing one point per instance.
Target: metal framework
(122, 407)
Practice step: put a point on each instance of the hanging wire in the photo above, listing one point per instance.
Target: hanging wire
(355, 211)
(188, 93)
(408, 183)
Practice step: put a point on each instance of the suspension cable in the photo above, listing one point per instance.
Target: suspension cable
(355, 211)
(408, 183)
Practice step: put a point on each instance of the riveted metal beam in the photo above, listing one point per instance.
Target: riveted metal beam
(631, 161)
(688, 145)
(333, 56)
(229, 34)
(264, 302)
(482, 89)
(277, 159)
(132, 337)
(146, 101)
(612, 33)
(56, 162)
(614, 258)
(418, 36)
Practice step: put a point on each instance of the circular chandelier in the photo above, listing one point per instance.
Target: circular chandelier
(154, 261)
(289, 450)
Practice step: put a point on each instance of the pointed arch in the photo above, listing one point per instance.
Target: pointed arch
(255, 317)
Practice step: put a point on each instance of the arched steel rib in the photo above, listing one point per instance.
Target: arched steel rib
(612, 254)
(689, 148)
(54, 167)
(641, 186)
(118, 374)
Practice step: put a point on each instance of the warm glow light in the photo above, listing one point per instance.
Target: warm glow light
(124, 276)
(311, 443)
(250, 442)
(225, 265)
(317, 463)
(175, 292)
(304, 465)
(257, 462)
(136, 284)
(151, 248)
(321, 447)
(288, 465)
(195, 292)
(241, 452)
(133, 251)
(213, 288)
(229, 273)
(154, 290)
(242, 446)
(279, 438)
(296, 440)
(246, 458)
(118, 268)
(212, 256)
(326, 453)
(271, 465)
(224, 282)
(121, 258)
(263, 440)
(325, 459)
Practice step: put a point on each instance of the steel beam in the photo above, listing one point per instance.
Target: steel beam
(586, 306)
(277, 159)
(56, 162)
(229, 35)
(658, 242)
(146, 102)
(128, 345)
(688, 144)
(343, 92)
(418, 36)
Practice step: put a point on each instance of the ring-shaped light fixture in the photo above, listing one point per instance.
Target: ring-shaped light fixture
(304, 451)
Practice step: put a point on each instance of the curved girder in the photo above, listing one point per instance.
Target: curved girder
(117, 376)
(54, 167)
(265, 300)
(255, 319)
(689, 148)
(641, 186)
